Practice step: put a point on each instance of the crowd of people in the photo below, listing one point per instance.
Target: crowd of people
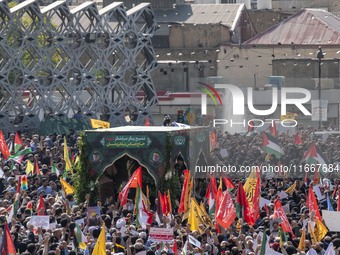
(123, 235)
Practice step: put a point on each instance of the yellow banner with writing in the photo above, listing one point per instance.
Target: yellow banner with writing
(99, 124)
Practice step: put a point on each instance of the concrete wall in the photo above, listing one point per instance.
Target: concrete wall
(305, 72)
(264, 19)
(330, 5)
(198, 36)
(200, 64)
(250, 66)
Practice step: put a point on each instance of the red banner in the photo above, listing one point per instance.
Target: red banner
(227, 212)
(3, 146)
(312, 204)
(280, 213)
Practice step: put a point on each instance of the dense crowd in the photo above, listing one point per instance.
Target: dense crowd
(121, 233)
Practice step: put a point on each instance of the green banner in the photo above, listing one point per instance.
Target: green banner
(127, 141)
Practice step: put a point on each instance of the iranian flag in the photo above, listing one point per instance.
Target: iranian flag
(315, 156)
(143, 216)
(271, 145)
(7, 247)
(54, 169)
(17, 143)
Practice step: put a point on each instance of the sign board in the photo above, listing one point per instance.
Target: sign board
(317, 107)
(332, 220)
(93, 211)
(194, 241)
(264, 201)
(165, 235)
(127, 141)
(40, 221)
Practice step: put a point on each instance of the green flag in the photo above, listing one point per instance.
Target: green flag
(264, 243)
(54, 169)
(22, 152)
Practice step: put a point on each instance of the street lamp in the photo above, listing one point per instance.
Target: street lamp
(319, 56)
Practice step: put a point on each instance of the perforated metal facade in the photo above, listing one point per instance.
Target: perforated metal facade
(57, 60)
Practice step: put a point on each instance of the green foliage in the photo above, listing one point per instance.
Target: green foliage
(83, 184)
(171, 180)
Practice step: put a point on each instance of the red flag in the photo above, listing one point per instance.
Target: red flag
(160, 207)
(312, 203)
(147, 121)
(166, 206)
(124, 193)
(227, 182)
(8, 247)
(162, 202)
(72, 158)
(218, 200)
(217, 228)
(19, 185)
(137, 179)
(36, 166)
(338, 209)
(306, 179)
(212, 187)
(174, 247)
(317, 175)
(213, 141)
(250, 126)
(226, 213)
(297, 139)
(280, 213)
(267, 210)
(3, 146)
(186, 177)
(41, 206)
(334, 192)
(242, 206)
(272, 129)
(256, 200)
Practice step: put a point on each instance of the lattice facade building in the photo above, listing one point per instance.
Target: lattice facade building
(56, 60)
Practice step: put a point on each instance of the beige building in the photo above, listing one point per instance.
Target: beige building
(295, 38)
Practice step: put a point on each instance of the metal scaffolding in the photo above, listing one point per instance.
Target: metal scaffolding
(55, 61)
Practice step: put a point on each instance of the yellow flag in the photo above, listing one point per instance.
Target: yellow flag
(169, 202)
(291, 189)
(99, 124)
(249, 187)
(100, 247)
(289, 115)
(68, 166)
(29, 167)
(76, 161)
(221, 185)
(312, 235)
(188, 193)
(302, 241)
(67, 187)
(319, 230)
(197, 217)
(267, 158)
(208, 220)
